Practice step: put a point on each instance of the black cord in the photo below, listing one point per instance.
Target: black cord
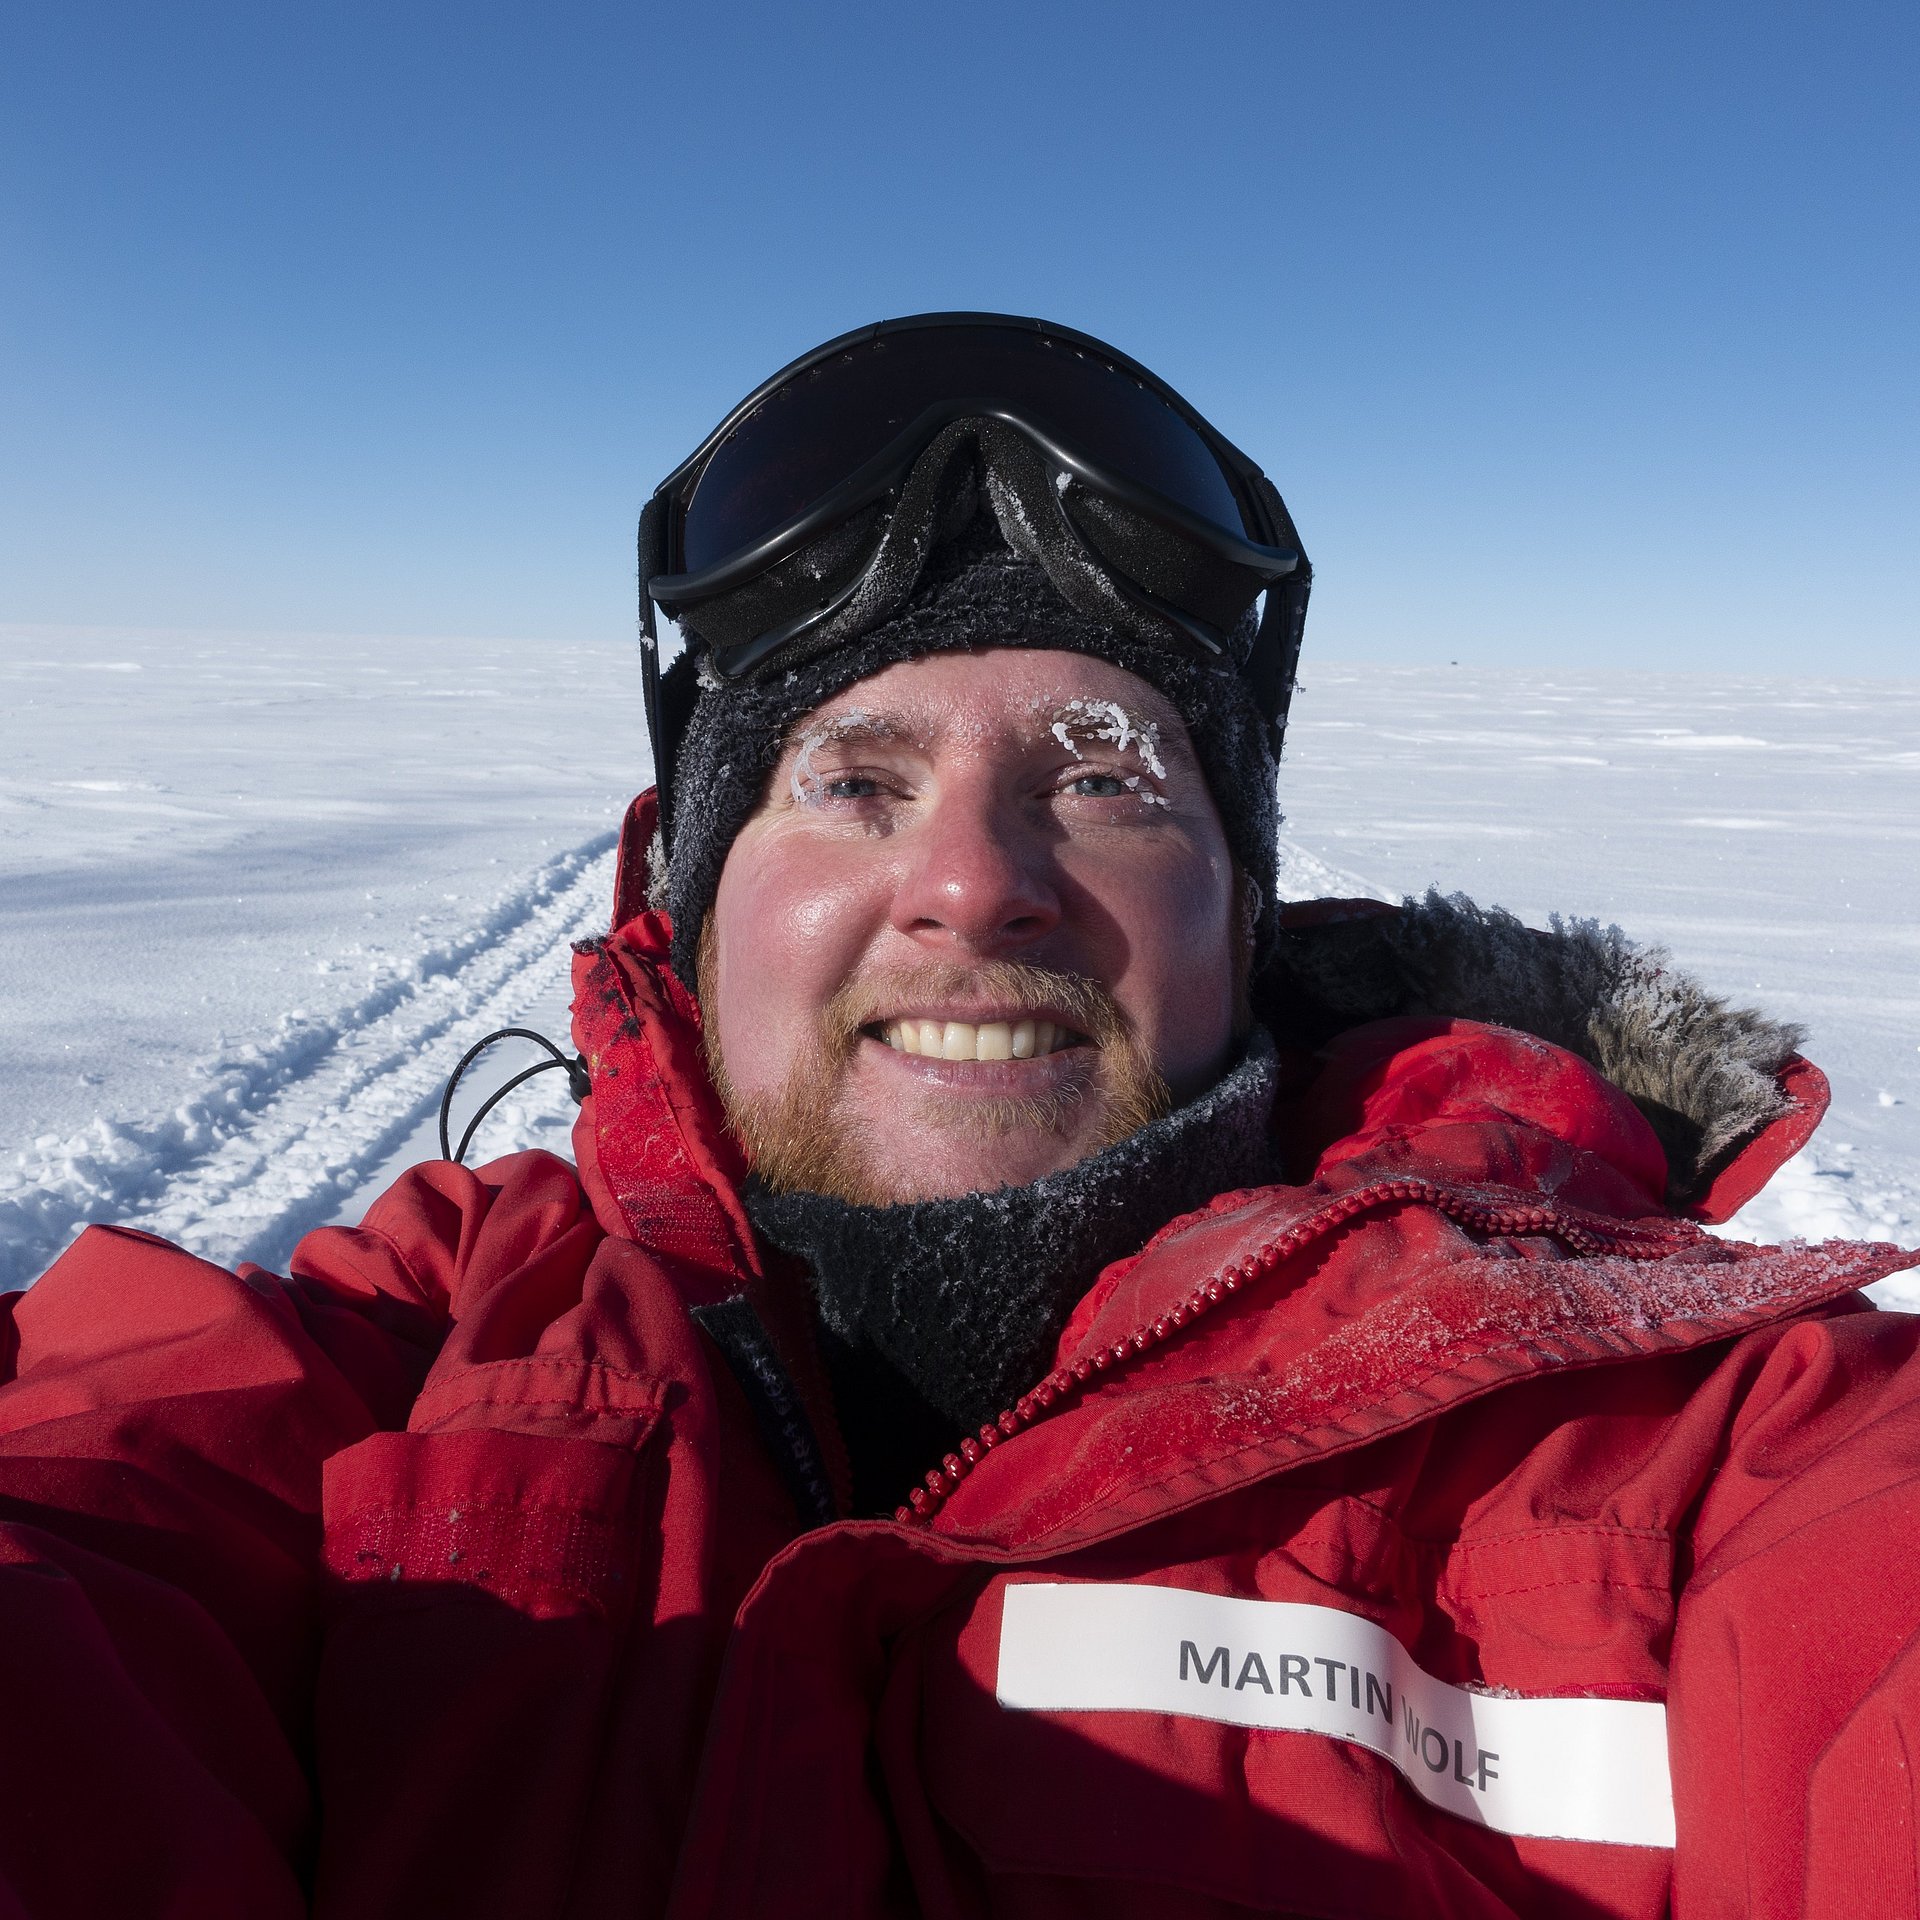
(579, 1083)
(493, 1100)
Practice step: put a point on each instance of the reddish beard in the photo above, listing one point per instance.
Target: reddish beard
(806, 1139)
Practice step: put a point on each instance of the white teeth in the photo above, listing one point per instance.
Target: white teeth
(962, 1040)
(995, 1042)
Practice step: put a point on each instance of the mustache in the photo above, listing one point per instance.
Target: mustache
(1009, 986)
(803, 1139)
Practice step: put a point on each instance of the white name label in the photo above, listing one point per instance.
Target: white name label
(1566, 1769)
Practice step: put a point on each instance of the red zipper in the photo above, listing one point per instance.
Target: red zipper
(1586, 1235)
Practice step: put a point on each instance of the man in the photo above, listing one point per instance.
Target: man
(1059, 1385)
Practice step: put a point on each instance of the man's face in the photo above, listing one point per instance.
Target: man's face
(983, 923)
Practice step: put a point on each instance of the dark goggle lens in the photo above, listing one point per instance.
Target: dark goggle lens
(818, 428)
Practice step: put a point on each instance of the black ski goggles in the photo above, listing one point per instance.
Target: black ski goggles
(766, 543)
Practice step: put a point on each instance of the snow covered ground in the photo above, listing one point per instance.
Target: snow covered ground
(258, 893)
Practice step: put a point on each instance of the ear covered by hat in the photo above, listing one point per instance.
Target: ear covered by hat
(987, 586)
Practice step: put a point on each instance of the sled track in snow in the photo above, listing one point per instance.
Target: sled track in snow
(279, 1133)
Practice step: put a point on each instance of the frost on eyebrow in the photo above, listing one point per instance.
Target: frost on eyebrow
(1082, 719)
(855, 724)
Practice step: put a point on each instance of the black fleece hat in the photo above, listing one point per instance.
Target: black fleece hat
(975, 594)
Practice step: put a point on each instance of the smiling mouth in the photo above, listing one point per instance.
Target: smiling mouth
(964, 1040)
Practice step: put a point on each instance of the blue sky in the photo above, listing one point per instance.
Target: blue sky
(1573, 333)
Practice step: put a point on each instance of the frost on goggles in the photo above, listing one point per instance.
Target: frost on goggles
(822, 425)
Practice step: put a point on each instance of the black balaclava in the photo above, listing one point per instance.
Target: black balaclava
(936, 1315)
(976, 593)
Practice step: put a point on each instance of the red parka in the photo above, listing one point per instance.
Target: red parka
(1453, 1532)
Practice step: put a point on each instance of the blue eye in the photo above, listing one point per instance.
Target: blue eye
(852, 786)
(1097, 786)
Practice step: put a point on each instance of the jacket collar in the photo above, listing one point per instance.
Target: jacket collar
(1304, 1323)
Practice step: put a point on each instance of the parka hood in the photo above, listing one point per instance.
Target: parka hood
(1724, 1089)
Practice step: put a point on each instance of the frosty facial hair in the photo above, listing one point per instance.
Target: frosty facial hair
(804, 1140)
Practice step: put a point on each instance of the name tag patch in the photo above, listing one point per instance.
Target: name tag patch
(1557, 1768)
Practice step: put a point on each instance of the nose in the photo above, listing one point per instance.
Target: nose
(978, 880)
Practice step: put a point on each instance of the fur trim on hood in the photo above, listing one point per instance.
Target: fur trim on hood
(1702, 1071)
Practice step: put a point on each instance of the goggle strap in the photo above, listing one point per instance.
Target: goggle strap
(652, 558)
(1275, 658)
